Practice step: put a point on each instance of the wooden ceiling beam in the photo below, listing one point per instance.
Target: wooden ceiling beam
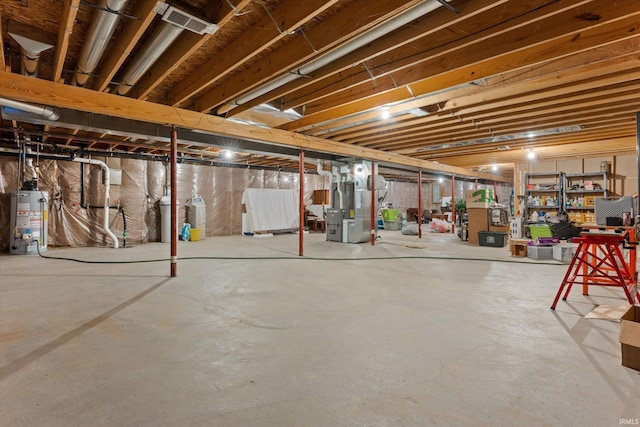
(615, 97)
(600, 133)
(67, 19)
(600, 62)
(50, 93)
(541, 125)
(290, 15)
(522, 48)
(607, 147)
(131, 34)
(3, 63)
(356, 17)
(505, 128)
(437, 28)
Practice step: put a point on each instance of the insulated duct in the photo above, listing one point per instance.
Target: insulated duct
(159, 41)
(107, 188)
(389, 26)
(98, 35)
(42, 111)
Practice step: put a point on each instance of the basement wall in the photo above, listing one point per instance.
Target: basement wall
(142, 187)
(143, 184)
(623, 171)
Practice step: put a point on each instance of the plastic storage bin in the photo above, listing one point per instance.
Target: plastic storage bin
(491, 238)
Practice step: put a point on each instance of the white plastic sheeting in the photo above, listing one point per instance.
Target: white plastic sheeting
(271, 209)
(143, 185)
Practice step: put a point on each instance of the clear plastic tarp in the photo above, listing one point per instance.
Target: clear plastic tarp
(77, 222)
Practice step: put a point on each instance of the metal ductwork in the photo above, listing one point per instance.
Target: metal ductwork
(174, 21)
(98, 35)
(30, 49)
(38, 110)
(368, 37)
(159, 41)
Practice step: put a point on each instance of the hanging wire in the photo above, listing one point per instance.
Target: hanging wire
(307, 40)
(274, 21)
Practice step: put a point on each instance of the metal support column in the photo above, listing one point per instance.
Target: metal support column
(419, 203)
(301, 203)
(174, 201)
(374, 204)
(453, 203)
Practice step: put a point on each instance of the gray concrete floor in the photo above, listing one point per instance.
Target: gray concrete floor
(393, 342)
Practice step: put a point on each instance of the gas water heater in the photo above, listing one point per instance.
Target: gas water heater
(29, 218)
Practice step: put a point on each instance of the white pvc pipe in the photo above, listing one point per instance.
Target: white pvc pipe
(389, 26)
(107, 188)
(337, 176)
(323, 172)
(29, 160)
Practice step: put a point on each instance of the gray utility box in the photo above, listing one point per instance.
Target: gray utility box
(334, 224)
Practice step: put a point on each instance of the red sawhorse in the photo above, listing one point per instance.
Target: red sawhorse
(599, 261)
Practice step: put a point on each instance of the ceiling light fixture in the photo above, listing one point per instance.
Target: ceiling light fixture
(494, 168)
(385, 114)
(531, 155)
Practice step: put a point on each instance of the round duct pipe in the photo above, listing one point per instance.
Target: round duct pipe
(98, 35)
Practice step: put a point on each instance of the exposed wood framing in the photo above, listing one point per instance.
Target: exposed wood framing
(64, 96)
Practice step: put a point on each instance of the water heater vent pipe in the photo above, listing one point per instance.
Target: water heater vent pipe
(107, 187)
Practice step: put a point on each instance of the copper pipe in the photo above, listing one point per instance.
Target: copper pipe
(419, 220)
(301, 203)
(174, 200)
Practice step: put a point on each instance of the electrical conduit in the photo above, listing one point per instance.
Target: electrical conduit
(107, 188)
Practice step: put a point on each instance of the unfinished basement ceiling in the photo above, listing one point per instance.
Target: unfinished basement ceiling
(466, 83)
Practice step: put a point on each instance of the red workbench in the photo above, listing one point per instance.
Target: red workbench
(599, 261)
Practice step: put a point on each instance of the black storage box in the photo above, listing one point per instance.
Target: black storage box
(492, 238)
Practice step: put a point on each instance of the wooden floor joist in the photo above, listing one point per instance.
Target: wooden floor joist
(39, 91)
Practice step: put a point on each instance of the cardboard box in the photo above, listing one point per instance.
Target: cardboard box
(478, 221)
(479, 196)
(540, 252)
(630, 338)
(518, 247)
(320, 197)
(499, 228)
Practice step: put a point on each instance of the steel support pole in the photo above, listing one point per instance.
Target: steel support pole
(374, 204)
(453, 203)
(419, 204)
(174, 200)
(301, 203)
